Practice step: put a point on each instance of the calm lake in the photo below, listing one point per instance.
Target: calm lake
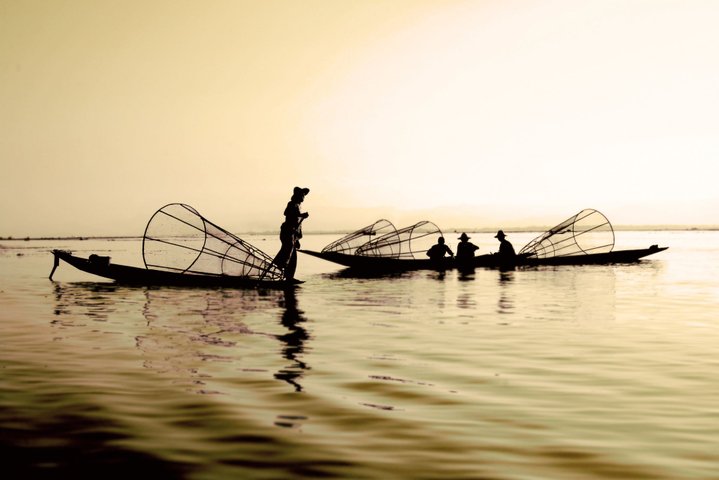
(588, 372)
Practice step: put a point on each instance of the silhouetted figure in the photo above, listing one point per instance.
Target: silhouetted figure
(507, 257)
(291, 233)
(465, 250)
(439, 250)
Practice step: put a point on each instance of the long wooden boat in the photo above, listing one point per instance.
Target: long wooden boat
(387, 264)
(181, 247)
(616, 256)
(102, 267)
(583, 239)
(378, 264)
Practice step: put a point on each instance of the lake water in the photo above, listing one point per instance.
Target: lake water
(557, 373)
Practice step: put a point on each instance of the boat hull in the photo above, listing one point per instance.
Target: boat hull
(618, 256)
(102, 267)
(384, 264)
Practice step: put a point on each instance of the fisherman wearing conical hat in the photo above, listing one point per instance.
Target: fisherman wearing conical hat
(506, 250)
(291, 232)
(465, 249)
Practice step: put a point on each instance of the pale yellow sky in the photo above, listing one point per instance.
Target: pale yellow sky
(465, 113)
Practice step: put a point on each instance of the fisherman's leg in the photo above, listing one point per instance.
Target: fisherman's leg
(291, 266)
(285, 252)
(282, 256)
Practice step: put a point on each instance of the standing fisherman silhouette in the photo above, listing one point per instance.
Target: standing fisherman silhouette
(291, 233)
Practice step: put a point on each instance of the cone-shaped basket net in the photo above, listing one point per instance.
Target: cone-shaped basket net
(406, 243)
(179, 239)
(350, 243)
(586, 232)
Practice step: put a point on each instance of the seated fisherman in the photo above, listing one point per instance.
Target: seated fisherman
(465, 249)
(439, 250)
(506, 250)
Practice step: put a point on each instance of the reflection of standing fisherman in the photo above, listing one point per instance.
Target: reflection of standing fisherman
(290, 233)
(294, 341)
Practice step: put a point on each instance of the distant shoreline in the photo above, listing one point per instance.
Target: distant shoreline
(621, 228)
(72, 237)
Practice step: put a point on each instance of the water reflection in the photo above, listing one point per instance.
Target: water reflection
(505, 304)
(294, 340)
(466, 273)
(223, 312)
(357, 274)
(577, 293)
(466, 300)
(189, 333)
(95, 299)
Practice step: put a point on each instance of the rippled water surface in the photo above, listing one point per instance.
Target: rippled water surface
(565, 372)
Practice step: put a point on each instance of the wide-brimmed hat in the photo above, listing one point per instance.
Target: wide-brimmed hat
(500, 234)
(303, 191)
(464, 237)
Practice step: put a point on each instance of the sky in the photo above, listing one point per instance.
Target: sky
(472, 114)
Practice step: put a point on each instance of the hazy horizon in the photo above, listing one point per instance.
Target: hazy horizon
(488, 113)
(446, 230)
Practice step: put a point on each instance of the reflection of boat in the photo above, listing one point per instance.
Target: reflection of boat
(181, 247)
(583, 239)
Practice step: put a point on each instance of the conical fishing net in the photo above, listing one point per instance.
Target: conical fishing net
(406, 243)
(350, 243)
(179, 239)
(586, 232)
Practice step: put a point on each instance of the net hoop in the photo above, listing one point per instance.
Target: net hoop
(164, 211)
(587, 232)
(406, 243)
(351, 242)
(179, 239)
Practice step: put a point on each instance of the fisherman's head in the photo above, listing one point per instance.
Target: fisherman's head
(500, 235)
(298, 194)
(463, 237)
(441, 240)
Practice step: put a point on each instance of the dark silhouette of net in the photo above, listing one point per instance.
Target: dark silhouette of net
(584, 233)
(350, 243)
(406, 243)
(178, 239)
